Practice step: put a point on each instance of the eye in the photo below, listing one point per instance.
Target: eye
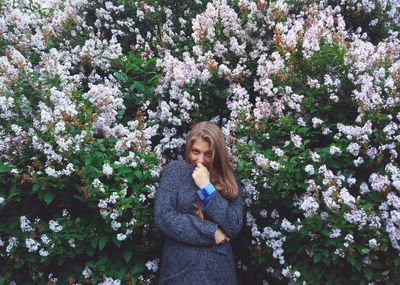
(208, 154)
(195, 151)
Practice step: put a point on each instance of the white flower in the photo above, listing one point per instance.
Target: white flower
(65, 213)
(102, 204)
(152, 265)
(110, 281)
(263, 213)
(54, 226)
(353, 148)
(121, 237)
(43, 252)
(315, 156)
(309, 205)
(45, 239)
(107, 169)
(2, 201)
(309, 169)
(316, 122)
(334, 149)
(287, 226)
(335, 233)
(115, 225)
(296, 139)
(25, 224)
(71, 242)
(31, 244)
(372, 243)
(357, 162)
(87, 272)
(12, 241)
(364, 188)
(396, 184)
(275, 165)
(349, 239)
(279, 152)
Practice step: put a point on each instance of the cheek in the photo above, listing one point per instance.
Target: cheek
(192, 157)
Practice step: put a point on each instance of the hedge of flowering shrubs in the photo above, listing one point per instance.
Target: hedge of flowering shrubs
(97, 96)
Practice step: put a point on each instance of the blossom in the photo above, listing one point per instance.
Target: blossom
(334, 149)
(335, 233)
(152, 265)
(378, 182)
(309, 205)
(309, 169)
(296, 139)
(87, 272)
(25, 224)
(110, 281)
(43, 252)
(316, 122)
(372, 243)
(353, 148)
(31, 244)
(107, 169)
(55, 226)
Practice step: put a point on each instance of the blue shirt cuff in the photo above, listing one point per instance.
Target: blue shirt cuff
(202, 194)
(206, 193)
(208, 198)
(210, 189)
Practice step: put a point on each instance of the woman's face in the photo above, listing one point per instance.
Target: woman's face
(200, 152)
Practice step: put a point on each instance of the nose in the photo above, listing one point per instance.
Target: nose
(200, 159)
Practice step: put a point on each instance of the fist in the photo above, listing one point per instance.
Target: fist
(201, 176)
(220, 236)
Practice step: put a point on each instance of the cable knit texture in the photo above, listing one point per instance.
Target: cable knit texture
(190, 255)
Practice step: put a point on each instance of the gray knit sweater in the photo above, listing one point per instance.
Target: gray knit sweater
(190, 255)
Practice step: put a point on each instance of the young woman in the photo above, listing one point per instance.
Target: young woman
(199, 208)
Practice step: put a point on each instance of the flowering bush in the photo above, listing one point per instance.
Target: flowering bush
(97, 96)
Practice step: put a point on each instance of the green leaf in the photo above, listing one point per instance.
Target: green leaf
(317, 257)
(124, 170)
(397, 261)
(138, 174)
(13, 192)
(102, 242)
(385, 273)
(35, 187)
(121, 76)
(138, 86)
(365, 250)
(223, 94)
(138, 268)
(368, 273)
(128, 254)
(49, 196)
(93, 243)
(90, 251)
(4, 168)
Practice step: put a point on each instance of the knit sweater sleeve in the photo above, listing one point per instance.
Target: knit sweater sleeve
(185, 228)
(227, 214)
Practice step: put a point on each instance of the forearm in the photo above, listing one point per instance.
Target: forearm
(186, 228)
(228, 215)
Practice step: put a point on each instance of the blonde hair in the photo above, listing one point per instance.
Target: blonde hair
(221, 172)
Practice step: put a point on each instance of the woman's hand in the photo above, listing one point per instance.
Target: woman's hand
(220, 236)
(201, 176)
